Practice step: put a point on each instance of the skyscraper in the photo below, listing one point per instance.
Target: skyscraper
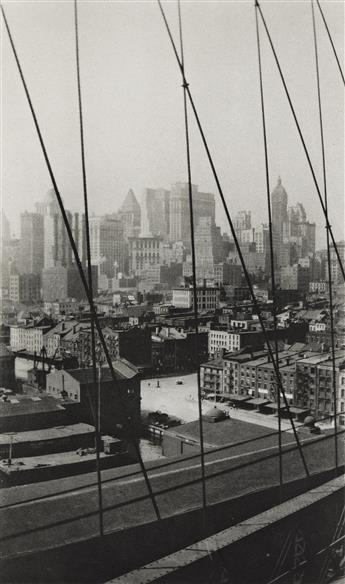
(279, 201)
(208, 247)
(31, 259)
(203, 206)
(57, 247)
(107, 244)
(243, 225)
(157, 207)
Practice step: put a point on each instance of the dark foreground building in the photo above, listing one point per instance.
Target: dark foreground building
(120, 402)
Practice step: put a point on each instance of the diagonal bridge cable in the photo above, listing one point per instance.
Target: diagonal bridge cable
(129, 419)
(331, 41)
(330, 291)
(89, 266)
(258, 7)
(195, 293)
(234, 235)
(270, 228)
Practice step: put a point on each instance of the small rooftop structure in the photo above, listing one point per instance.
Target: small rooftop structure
(214, 415)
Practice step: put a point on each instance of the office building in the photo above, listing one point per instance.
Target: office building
(25, 288)
(207, 298)
(203, 206)
(108, 248)
(144, 253)
(31, 259)
(157, 207)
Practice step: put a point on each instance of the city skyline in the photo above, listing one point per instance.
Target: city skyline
(141, 158)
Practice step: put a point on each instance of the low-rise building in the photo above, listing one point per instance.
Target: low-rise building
(64, 307)
(178, 350)
(233, 340)
(207, 297)
(120, 401)
(318, 287)
(25, 413)
(248, 373)
(28, 337)
(314, 383)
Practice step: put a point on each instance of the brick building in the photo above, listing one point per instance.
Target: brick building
(77, 386)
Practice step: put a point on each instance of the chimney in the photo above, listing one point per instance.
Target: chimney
(63, 326)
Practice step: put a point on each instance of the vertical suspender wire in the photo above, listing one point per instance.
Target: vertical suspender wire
(301, 138)
(331, 41)
(195, 293)
(270, 227)
(76, 254)
(327, 239)
(96, 386)
(234, 235)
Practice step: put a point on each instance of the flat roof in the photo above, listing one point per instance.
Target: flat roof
(218, 433)
(236, 397)
(46, 433)
(258, 401)
(296, 410)
(25, 463)
(22, 405)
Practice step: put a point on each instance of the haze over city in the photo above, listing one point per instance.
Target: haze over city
(133, 104)
(172, 388)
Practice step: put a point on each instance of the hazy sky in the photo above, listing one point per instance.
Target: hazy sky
(133, 105)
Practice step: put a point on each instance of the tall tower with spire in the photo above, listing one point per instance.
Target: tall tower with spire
(279, 200)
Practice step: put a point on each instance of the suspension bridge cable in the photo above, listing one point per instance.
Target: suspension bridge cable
(324, 172)
(270, 228)
(96, 386)
(195, 293)
(233, 232)
(331, 41)
(79, 264)
(301, 137)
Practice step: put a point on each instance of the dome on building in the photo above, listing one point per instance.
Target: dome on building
(309, 421)
(214, 415)
(279, 192)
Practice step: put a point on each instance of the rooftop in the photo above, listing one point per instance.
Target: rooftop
(229, 431)
(48, 460)
(46, 434)
(22, 405)
(123, 370)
